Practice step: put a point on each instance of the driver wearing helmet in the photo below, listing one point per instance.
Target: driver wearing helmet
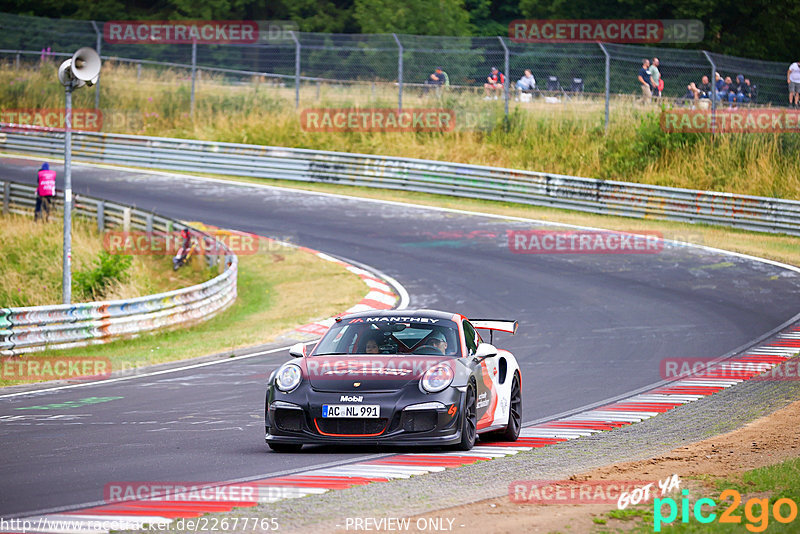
(438, 341)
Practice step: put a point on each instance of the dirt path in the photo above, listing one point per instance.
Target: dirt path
(765, 441)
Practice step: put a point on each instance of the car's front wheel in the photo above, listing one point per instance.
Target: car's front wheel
(469, 420)
(285, 447)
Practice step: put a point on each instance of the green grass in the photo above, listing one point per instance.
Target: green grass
(31, 265)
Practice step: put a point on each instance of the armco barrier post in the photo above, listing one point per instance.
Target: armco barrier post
(296, 70)
(194, 75)
(6, 196)
(399, 72)
(101, 216)
(608, 78)
(508, 74)
(98, 48)
(713, 92)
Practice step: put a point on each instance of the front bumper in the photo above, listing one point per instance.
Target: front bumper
(406, 418)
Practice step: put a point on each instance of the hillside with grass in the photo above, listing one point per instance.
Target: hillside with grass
(566, 138)
(31, 266)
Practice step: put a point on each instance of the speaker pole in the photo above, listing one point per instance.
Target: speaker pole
(66, 278)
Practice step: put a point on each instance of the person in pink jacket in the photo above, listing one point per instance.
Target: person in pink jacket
(45, 192)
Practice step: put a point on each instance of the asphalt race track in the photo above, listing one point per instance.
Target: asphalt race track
(592, 326)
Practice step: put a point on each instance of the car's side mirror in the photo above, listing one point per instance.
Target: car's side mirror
(485, 350)
(298, 350)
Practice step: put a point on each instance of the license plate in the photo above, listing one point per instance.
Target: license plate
(365, 411)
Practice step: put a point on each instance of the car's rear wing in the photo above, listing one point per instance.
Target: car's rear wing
(496, 325)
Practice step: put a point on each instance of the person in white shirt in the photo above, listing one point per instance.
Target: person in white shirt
(793, 79)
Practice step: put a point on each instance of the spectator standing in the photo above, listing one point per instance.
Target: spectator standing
(439, 78)
(494, 82)
(527, 83)
(645, 81)
(45, 192)
(793, 79)
(655, 77)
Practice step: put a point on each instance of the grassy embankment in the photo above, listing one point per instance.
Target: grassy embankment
(563, 138)
(278, 288)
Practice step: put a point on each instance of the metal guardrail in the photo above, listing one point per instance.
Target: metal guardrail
(34, 328)
(452, 179)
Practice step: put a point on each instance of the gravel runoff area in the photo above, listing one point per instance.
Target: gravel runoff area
(715, 414)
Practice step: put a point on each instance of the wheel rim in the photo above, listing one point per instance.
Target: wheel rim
(470, 415)
(515, 415)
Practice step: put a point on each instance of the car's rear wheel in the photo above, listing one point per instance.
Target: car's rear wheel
(285, 447)
(511, 431)
(469, 420)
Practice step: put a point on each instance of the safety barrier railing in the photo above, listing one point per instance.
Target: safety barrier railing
(26, 329)
(454, 179)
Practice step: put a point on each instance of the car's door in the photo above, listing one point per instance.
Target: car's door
(486, 404)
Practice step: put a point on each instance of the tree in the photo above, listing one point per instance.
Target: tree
(415, 17)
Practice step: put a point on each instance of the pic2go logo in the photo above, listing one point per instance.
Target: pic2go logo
(756, 511)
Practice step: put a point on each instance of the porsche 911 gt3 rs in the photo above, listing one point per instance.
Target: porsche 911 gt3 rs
(423, 378)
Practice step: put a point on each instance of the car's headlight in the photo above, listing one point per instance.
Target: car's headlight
(437, 378)
(288, 377)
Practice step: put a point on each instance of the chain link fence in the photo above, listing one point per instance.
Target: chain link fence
(394, 70)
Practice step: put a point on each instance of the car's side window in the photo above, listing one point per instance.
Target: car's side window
(471, 338)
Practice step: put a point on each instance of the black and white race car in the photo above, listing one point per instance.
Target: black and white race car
(397, 377)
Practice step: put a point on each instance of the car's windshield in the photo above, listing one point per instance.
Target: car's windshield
(390, 335)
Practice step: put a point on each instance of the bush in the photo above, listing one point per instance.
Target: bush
(93, 283)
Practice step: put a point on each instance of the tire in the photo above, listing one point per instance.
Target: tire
(469, 420)
(511, 432)
(285, 447)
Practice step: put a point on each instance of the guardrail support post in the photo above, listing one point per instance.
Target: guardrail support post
(194, 75)
(296, 70)
(399, 72)
(6, 196)
(126, 219)
(713, 93)
(148, 223)
(101, 216)
(608, 78)
(508, 74)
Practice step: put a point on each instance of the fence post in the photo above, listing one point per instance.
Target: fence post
(505, 66)
(98, 48)
(101, 216)
(16, 62)
(6, 196)
(194, 74)
(138, 70)
(296, 70)
(399, 72)
(713, 92)
(608, 77)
